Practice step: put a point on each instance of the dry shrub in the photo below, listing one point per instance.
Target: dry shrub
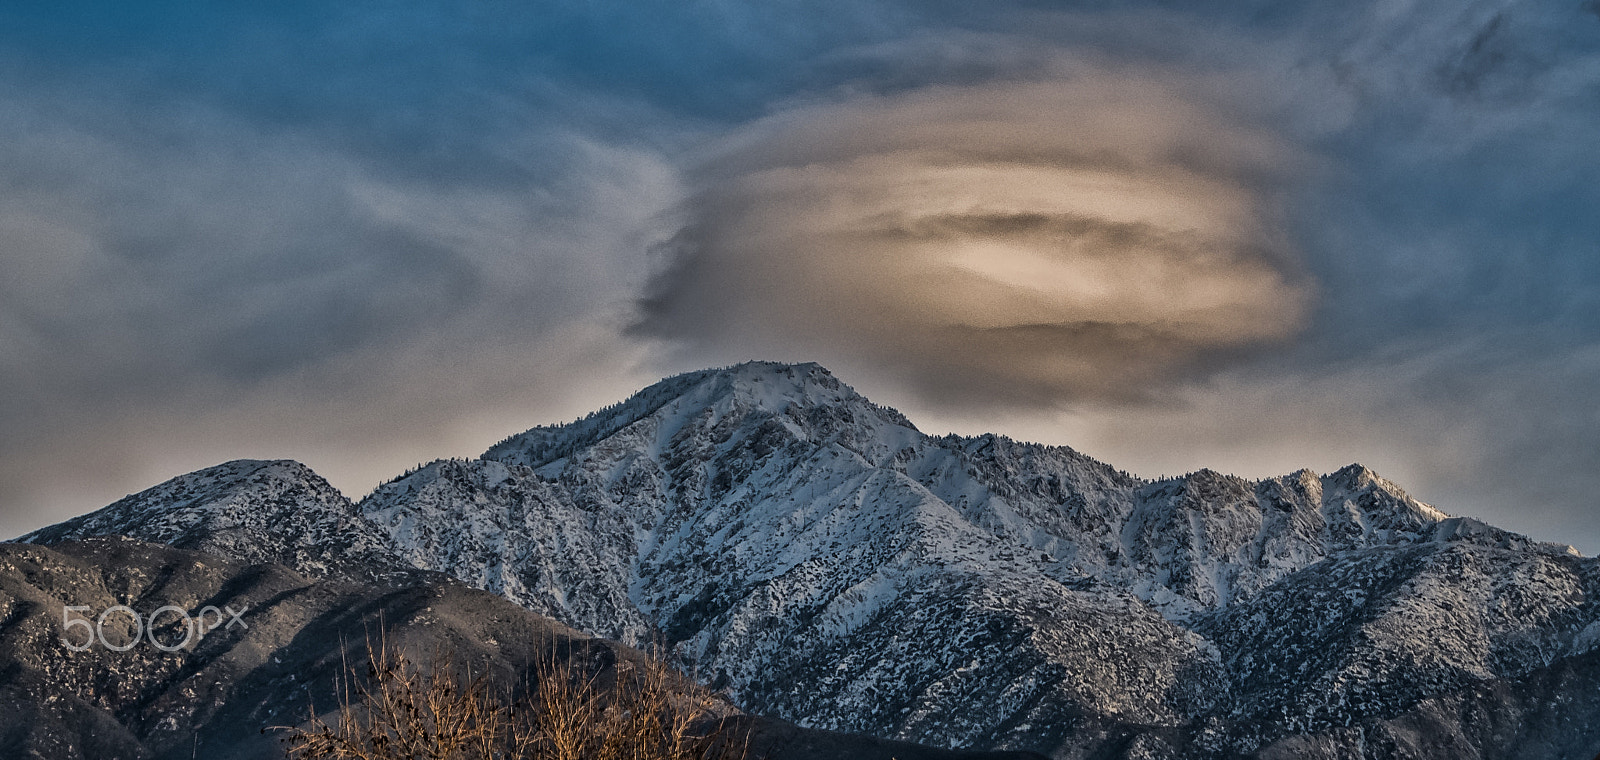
(403, 710)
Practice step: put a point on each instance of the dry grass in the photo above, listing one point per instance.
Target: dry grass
(403, 710)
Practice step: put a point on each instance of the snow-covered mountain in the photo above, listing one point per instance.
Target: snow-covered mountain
(826, 562)
(249, 510)
(223, 695)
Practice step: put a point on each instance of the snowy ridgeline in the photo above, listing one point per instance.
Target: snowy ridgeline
(824, 561)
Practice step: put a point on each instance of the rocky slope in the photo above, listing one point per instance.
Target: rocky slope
(219, 697)
(252, 511)
(211, 699)
(826, 562)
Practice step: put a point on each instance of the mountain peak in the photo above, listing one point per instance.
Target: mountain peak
(165, 511)
(762, 366)
(760, 380)
(1354, 474)
(773, 385)
(257, 510)
(753, 387)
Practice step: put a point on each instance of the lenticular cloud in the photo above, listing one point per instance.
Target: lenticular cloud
(1036, 243)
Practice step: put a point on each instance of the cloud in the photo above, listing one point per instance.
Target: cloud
(367, 239)
(1085, 237)
(186, 286)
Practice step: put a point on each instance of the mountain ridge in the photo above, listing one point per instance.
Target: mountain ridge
(828, 563)
(254, 510)
(225, 693)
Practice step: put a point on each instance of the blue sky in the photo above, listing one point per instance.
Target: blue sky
(1250, 236)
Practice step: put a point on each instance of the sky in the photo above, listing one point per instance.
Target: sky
(1248, 236)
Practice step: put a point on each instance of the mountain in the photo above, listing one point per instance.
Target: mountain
(214, 698)
(252, 511)
(827, 563)
(220, 697)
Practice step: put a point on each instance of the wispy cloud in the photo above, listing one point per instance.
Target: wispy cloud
(184, 285)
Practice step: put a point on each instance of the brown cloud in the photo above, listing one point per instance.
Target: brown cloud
(1034, 242)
